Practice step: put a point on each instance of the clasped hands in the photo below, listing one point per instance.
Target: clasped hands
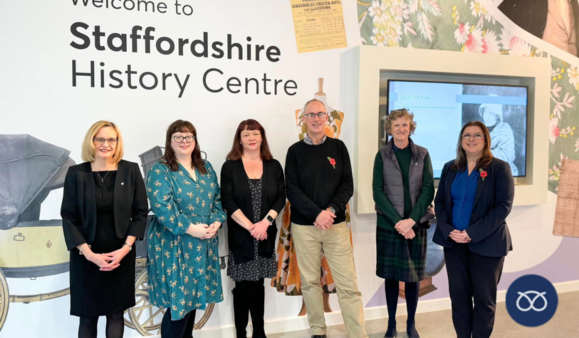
(107, 261)
(404, 228)
(325, 219)
(204, 231)
(259, 230)
(459, 236)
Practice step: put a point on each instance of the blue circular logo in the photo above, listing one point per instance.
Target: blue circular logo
(532, 300)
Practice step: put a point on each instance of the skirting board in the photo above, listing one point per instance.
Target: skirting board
(335, 318)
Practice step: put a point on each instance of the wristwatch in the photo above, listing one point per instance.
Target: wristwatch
(333, 210)
(269, 219)
(127, 245)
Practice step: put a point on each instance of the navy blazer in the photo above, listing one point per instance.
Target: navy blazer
(78, 211)
(492, 204)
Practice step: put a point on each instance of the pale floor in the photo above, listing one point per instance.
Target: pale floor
(565, 324)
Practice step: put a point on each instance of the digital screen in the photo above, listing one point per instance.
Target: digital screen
(442, 109)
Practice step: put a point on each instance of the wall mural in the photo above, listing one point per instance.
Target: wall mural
(29, 247)
(467, 26)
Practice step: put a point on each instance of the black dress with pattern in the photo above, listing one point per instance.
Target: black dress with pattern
(259, 267)
(93, 292)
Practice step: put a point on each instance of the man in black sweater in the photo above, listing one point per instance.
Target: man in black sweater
(319, 184)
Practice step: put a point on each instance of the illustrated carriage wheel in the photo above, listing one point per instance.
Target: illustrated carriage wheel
(140, 265)
(127, 319)
(4, 299)
(145, 317)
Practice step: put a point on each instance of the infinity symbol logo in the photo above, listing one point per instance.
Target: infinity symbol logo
(531, 301)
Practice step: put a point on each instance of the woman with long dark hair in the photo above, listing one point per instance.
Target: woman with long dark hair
(183, 267)
(253, 190)
(474, 198)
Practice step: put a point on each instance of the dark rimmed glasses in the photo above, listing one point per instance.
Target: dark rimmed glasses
(181, 139)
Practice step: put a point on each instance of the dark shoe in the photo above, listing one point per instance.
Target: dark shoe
(412, 333)
(391, 330)
(391, 334)
(319, 336)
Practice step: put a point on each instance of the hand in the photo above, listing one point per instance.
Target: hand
(249, 228)
(198, 230)
(213, 228)
(404, 226)
(460, 236)
(324, 220)
(99, 260)
(259, 231)
(409, 234)
(115, 258)
(467, 236)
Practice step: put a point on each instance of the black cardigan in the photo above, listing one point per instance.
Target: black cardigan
(78, 208)
(236, 194)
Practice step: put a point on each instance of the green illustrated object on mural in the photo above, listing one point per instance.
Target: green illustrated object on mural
(467, 26)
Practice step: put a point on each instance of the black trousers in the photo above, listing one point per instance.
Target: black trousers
(472, 277)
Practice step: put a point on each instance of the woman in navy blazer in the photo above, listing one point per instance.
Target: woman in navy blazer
(475, 196)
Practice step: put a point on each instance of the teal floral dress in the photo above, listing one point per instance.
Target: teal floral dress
(184, 272)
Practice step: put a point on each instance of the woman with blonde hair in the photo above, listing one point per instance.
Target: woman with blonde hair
(104, 210)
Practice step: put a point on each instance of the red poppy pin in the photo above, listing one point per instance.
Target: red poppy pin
(332, 162)
(483, 174)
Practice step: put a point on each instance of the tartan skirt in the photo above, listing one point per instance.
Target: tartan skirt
(399, 258)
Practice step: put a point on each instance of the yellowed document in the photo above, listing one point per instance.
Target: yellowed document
(318, 24)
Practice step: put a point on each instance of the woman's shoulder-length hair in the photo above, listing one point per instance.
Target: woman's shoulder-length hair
(170, 160)
(487, 156)
(237, 148)
(88, 148)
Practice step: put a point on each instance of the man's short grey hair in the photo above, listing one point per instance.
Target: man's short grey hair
(312, 101)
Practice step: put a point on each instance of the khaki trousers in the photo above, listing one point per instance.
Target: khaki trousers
(310, 243)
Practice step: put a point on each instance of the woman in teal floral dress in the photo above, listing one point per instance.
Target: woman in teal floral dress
(183, 267)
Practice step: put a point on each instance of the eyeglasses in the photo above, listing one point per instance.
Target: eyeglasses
(181, 139)
(475, 136)
(100, 141)
(320, 115)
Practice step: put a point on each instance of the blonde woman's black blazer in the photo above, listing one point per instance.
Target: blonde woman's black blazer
(78, 211)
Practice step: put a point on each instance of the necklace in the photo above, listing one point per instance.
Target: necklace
(103, 178)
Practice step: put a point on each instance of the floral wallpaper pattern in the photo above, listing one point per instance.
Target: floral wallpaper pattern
(466, 26)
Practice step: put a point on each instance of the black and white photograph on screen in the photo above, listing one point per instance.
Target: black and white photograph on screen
(507, 123)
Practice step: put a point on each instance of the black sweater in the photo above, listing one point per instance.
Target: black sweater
(236, 194)
(313, 183)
